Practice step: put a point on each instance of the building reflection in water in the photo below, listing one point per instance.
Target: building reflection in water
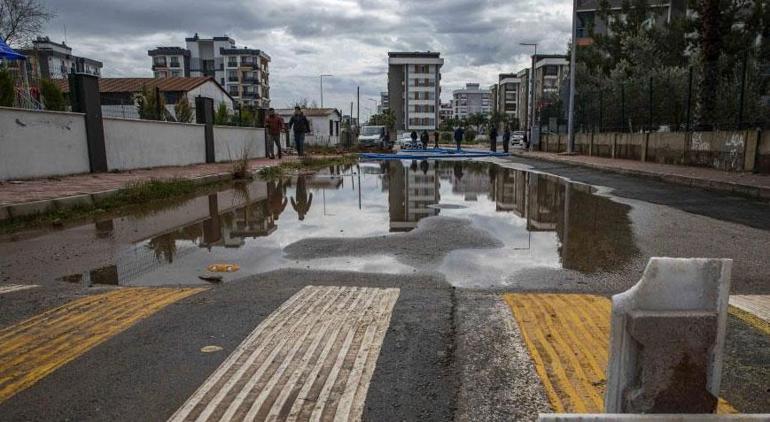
(592, 233)
(411, 192)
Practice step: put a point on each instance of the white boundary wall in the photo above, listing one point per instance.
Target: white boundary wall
(133, 144)
(41, 144)
(229, 142)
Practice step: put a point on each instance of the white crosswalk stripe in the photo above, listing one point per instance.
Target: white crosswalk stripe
(311, 359)
(758, 305)
(8, 288)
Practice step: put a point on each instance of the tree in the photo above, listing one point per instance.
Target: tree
(183, 111)
(711, 46)
(20, 20)
(386, 118)
(222, 115)
(478, 120)
(7, 89)
(149, 104)
(247, 117)
(53, 99)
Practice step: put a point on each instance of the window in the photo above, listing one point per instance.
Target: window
(174, 61)
(331, 128)
(232, 62)
(551, 70)
(232, 76)
(159, 61)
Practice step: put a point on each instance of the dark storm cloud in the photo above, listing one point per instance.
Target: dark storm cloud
(348, 38)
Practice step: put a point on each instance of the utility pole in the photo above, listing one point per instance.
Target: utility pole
(322, 88)
(572, 66)
(358, 107)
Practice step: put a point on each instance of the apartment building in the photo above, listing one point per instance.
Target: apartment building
(471, 100)
(508, 87)
(170, 62)
(550, 73)
(51, 60)
(242, 71)
(414, 89)
(445, 112)
(588, 21)
(522, 98)
(384, 102)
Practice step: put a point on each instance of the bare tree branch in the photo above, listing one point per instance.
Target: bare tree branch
(21, 20)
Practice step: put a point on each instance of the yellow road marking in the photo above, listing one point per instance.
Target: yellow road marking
(750, 319)
(32, 349)
(567, 336)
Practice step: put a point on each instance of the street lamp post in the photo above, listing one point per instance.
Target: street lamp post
(322, 87)
(531, 94)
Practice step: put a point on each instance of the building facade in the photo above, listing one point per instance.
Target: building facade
(508, 89)
(471, 100)
(170, 62)
(50, 60)
(589, 22)
(522, 98)
(384, 102)
(551, 71)
(414, 89)
(243, 72)
(445, 112)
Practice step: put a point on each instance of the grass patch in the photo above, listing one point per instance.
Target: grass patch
(306, 164)
(142, 197)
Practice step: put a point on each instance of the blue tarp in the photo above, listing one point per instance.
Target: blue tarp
(432, 154)
(7, 53)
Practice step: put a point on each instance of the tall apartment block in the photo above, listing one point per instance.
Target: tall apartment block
(414, 89)
(52, 60)
(384, 102)
(508, 86)
(522, 98)
(471, 100)
(243, 72)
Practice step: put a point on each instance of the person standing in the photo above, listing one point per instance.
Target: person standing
(300, 125)
(424, 138)
(413, 135)
(493, 138)
(436, 137)
(274, 129)
(459, 133)
(506, 138)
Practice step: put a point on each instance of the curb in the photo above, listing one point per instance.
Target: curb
(753, 192)
(25, 209)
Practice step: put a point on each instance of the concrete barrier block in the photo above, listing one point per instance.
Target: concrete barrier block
(605, 417)
(101, 196)
(667, 338)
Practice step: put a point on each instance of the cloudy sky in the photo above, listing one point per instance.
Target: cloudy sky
(346, 38)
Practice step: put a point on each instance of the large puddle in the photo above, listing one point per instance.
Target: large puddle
(490, 223)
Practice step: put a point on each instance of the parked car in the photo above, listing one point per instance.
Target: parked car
(373, 136)
(517, 138)
(405, 142)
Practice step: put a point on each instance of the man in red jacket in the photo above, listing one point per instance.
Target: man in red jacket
(274, 128)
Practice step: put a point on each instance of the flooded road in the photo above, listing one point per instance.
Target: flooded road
(479, 225)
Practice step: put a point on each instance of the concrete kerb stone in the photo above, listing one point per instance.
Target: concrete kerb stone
(609, 417)
(753, 192)
(31, 208)
(74, 201)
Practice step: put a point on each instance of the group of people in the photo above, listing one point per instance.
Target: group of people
(275, 127)
(425, 138)
(493, 138)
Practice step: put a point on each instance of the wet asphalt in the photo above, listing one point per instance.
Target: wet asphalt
(448, 353)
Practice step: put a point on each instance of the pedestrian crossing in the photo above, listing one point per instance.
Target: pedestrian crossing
(34, 348)
(567, 336)
(311, 359)
(10, 288)
(753, 310)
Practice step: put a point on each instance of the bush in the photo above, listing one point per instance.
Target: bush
(147, 105)
(222, 115)
(53, 99)
(470, 136)
(7, 89)
(447, 137)
(183, 111)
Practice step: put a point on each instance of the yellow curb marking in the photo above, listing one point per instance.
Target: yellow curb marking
(32, 349)
(568, 336)
(750, 319)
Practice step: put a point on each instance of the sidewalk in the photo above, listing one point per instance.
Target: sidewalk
(755, 186)
(21, 197)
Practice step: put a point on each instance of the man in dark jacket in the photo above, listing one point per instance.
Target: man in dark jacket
(493, 138)
(506, 138)
(424, 138)
(459, 133)
(300, 126)
(274, 125)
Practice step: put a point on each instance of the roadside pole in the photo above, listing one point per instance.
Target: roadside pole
(572, 65)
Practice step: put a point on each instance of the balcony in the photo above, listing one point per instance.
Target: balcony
(250, 94)
(232, 78)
